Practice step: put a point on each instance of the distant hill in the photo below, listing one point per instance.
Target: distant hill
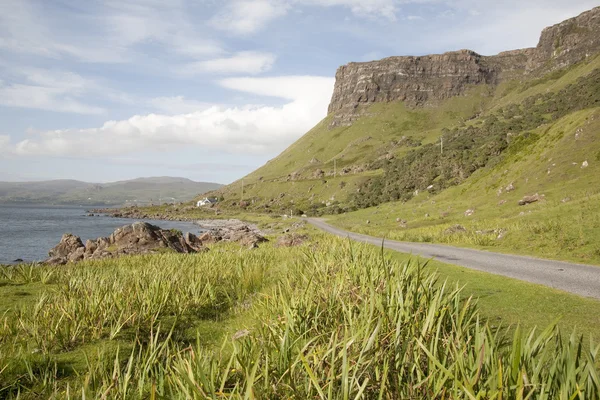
(142, 191)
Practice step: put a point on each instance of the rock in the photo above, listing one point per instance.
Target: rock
(530, 199)
(425, 80)
(584, 164)
(56, 260)
(565, 200)
(291, 240)
(68, 244)
(242, 235)
(193, 242)
(455, 229)
(77, 255)
(207, 238)
(318, 174)
(510, 187)
(18, 260)
(501, 202)
(469, 212)
(137, 238)
(368, 222)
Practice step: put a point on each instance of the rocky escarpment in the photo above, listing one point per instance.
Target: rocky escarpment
(425, 80)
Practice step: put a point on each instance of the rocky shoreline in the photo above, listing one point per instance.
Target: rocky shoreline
(145, 238)
(134, 212)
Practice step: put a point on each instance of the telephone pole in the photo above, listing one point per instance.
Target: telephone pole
(334, 167)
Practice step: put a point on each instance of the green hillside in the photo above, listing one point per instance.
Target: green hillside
(329, 171)
(387, 174)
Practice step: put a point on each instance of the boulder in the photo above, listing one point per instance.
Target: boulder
(68, 244)
(530, 199)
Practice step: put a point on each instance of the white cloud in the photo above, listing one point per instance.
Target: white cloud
(245, 17)
(361, 8)
(248, 16)
(178, 105)
(43, 98)
(246, 62)
(107, 32)
(45, 89)
(4, 143)
(242, 129)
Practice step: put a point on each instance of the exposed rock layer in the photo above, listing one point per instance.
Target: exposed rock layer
(420, 81)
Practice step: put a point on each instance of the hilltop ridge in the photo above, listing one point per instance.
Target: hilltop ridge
(426, 80)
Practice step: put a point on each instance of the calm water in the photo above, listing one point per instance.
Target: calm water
(28, 232)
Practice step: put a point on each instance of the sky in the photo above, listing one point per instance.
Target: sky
(106, 90)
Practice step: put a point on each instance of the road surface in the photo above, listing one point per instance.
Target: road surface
(583, 280)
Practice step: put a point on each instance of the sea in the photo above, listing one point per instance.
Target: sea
(27, 232)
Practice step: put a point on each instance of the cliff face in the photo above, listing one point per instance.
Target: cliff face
(420, 81)
(569, 42)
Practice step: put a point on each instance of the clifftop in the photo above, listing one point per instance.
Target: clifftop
(419, 81)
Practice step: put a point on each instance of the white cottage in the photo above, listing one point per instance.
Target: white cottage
(206, 201)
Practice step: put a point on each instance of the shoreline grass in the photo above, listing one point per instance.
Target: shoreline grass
(328, 319)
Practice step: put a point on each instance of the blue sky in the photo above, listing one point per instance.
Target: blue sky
(104, 90)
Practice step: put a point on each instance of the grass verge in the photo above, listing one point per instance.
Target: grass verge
(328, 319)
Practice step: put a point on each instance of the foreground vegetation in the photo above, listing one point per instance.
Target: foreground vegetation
(325, 320)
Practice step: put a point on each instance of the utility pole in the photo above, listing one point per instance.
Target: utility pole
(334, 167)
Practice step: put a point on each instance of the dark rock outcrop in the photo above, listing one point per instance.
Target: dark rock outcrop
(425, 80)
(137, 238)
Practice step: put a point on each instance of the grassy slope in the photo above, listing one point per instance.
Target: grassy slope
(365, 141)
(565, 225)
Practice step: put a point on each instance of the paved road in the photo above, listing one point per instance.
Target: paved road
(580, 279)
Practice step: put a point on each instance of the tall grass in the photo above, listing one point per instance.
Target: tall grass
(329, 321)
